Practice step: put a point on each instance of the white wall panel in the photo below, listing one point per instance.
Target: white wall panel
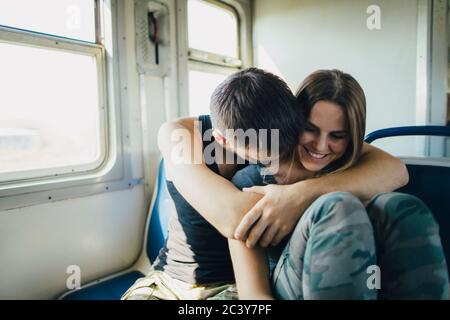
(102, 234)
(295, 37)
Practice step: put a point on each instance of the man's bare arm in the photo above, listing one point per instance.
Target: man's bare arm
(281, 206)
(277, 213)
(251, 271)
(213, 196)
(376, 171)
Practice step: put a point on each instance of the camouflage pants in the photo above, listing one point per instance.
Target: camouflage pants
(338, 239)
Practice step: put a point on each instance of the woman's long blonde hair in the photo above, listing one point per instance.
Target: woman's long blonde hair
(342, 89)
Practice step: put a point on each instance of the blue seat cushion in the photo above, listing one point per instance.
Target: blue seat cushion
(157, 231)
(112, 289)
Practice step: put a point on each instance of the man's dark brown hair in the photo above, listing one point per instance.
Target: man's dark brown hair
(256, 99)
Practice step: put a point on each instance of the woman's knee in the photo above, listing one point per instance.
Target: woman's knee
(341, 206)
(347, 198)
(401, 208)
(334, 215)
(409, 247)
(337, 196)
(395, 199)
(335, 232)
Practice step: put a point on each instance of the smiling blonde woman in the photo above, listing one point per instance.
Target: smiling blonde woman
(339, 242)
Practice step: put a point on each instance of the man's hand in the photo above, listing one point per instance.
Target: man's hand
(275, 215)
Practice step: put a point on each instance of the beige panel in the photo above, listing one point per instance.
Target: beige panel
(101, 234)
(295, 37)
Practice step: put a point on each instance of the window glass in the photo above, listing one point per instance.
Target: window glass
(65, 18)
(212, 28)
(49, 109)
(201, 86)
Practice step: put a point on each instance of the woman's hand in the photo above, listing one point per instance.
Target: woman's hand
(275, 215)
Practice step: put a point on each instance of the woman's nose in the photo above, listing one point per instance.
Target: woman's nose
(322, 143)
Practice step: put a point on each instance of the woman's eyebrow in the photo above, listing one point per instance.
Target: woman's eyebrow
(340, 131)
(309, 123)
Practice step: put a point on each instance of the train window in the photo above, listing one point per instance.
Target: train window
(213, 28)
(214, 50)
(64, 18)
(201, 82)
(45, 123)
(46, 127)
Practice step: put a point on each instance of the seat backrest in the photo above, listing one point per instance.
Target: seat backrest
(159, 215)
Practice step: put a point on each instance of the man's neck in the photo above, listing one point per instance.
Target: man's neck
(289, 172)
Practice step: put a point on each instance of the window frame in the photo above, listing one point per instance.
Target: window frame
(205, 61)
(207, 68)
(28, 39)
(114, 171)
(215, 58)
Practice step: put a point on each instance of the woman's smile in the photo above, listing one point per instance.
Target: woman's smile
(316, 156)
(325, 138)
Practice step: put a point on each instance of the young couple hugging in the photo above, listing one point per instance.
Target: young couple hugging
(305, 216)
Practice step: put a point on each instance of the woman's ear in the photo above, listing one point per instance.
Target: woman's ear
(219, 137)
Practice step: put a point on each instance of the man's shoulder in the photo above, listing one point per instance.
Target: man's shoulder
(248, 177)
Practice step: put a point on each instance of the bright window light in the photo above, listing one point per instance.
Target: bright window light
(49, 109)
(212, 28)
(65, 18)
(201, 86)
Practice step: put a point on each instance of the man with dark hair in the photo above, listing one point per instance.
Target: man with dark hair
(256, 100)
(195, 262)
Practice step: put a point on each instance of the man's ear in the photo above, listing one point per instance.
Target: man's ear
(219, 137)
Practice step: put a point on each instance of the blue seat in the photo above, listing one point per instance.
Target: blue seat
(428, 182)
(162, 205)
(114, 288)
